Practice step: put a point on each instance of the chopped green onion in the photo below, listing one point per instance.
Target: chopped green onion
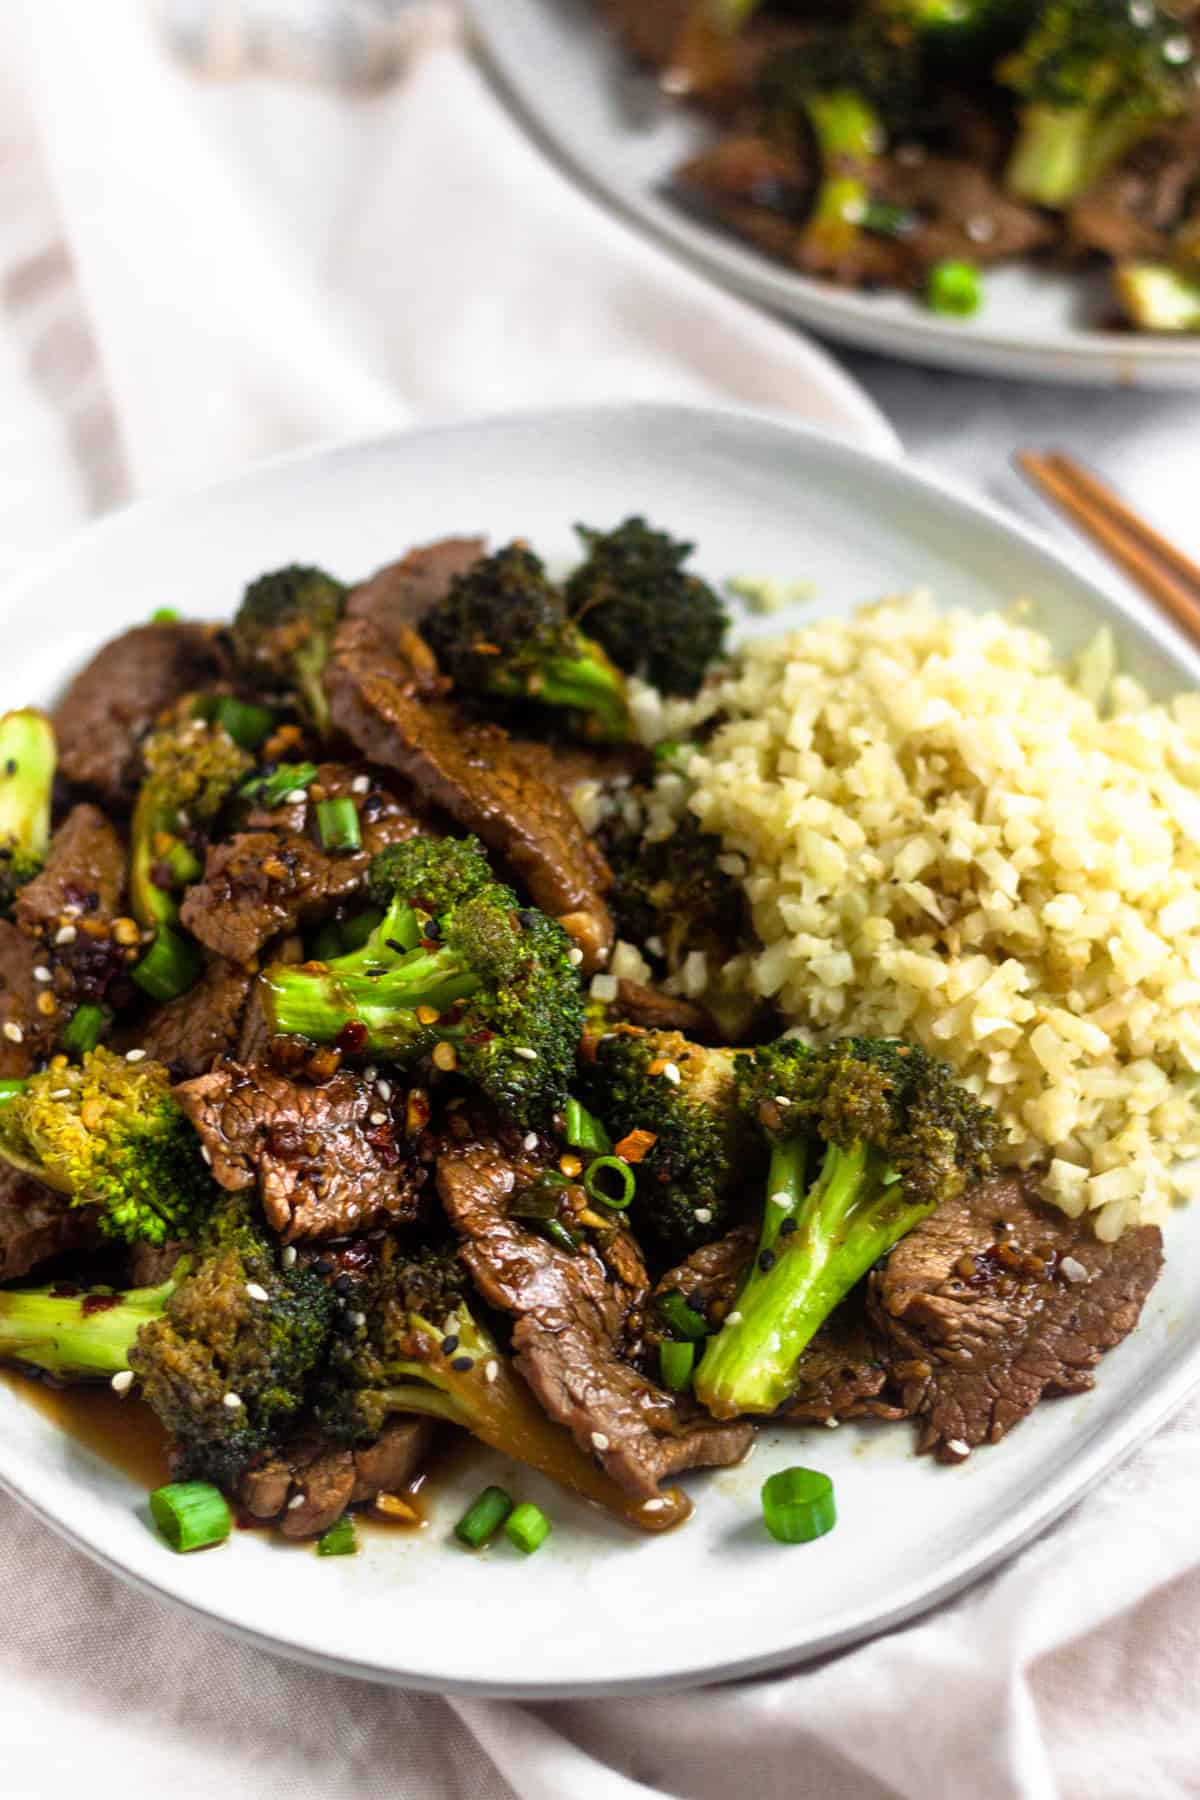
(339, 1540)
(681, 1317)
(184, 864)
(602, 1173)
(675, 1361)
(798, 1505)
(271, 790)
(558, 1234)
(584, 1130)
(171, 965)
(164, 615)
(527, 1527)
(10, 1089)
(885, 219)
(484, 1517)
(246, 723)
(955, 289)
(337, 824)
(190, 1514)
(357, 930)
(83, 1030)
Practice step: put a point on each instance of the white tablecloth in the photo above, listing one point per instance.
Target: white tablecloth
(193, 273)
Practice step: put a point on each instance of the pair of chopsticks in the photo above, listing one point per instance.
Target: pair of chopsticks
(1158, 567)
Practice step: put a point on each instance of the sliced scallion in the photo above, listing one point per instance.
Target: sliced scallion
(340, 1539)
(164, 615)
(184, 864)
(171, 966)
(272, 790)
(584, 1130)
(681, 1317)
(676, 1360)
(798, 1505)
(337, 824)
(610, 1181)
(83, 1030)
(247, 724)
(558, 1234)
(190, 1515)
(484, 1517)
(527, 1527)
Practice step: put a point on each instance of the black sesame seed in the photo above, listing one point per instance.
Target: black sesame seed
(766, 1260)
(392, 944)
(344, 1285)
(787, 1228)
(323, 1266)
(527, 918)
(461, 1364)
(450, 1344)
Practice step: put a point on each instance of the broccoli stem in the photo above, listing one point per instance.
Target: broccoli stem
(854, 1212)
(319, 1003)
(849, 137)
(1062, 151)
(586, 685)
(27, 762)
(1157, 297)
(80, 1335)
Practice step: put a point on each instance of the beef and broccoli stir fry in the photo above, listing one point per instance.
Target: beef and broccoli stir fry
(914, 143)
(327, 1123)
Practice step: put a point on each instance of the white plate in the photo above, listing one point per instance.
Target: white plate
(575, 86)
(599, 1609)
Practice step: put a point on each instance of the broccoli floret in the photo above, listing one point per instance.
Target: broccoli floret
(653, 617)
(698, 1151)
(283, 634)
(191, 767)
(671, 889)
(958, 33)
(897, 1136)
(502, 632)
(109, 1134)
(423, 1348)
(228, 1323)
(27, 761)
(1157, 297)
(1093, 78)
(457, 973)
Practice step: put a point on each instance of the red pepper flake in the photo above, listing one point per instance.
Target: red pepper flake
(633, 1147)
(352, 1037)
(94, 1303)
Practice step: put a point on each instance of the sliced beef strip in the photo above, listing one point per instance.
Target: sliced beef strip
(275, 875)
(190, 1033)
(648, 1007)
(401, 593)
(1130, 211)
(980, 1319)
(25, 1033)
(312, 1487)
(84, 871)
(569, 1317)
(384, 701)
(149, 1264)
(960, 212)
(711, 1276)
(113, 702)
(760, 189)
(36, 1224)
(325, 1160)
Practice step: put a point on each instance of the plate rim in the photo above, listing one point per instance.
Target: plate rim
(1086, 357)
(1074, 1476)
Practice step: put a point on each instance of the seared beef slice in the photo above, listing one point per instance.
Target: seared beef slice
(36, 1223)
(570, 1315)
(996, 1299)
(325, 1160)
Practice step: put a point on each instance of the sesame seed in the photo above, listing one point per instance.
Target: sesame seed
(288, 1258)
(524, 1052)
(703, 1215)
(766, 1260)
(295, 1501)
(232, 1401)
(981, 228)
(72, 911)
(671, 1074)
(377, 1118)
(13, 1033)
(781, 1199)
(654, 1505)
(384, 1090)
(42, 973)
(361, 784)
(491, 1369)
(60, 1093)
(782, 1100)
(256, 1291)
(733, 1318)
(135, 1056)
(370, 1072)
(574, 956)
(65, 934)
(295, 797)
(599, 1441)
(832, 1423)
(530, 1140)
(357, 1319)
(122, 1381)
(959, 1447)
(352, 1210)
(655, 946)
(206, 1153)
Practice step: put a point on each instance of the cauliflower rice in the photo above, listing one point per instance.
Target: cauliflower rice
(946, 835)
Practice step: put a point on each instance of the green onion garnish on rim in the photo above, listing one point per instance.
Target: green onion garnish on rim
(610, 1181)
(484, 1517)
(337, 824)
(798, 1505)
(527, 1527)
(190, 1515)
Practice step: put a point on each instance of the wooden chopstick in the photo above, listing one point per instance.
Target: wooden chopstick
(1158, 567)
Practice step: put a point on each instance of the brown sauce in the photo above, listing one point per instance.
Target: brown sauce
(124, 1432)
